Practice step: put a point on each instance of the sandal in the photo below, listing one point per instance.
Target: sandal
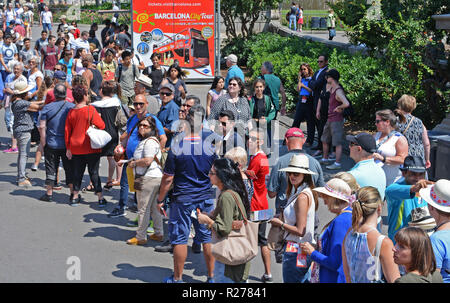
(108, 185)
(90, 188)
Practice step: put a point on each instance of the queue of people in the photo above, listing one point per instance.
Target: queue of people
(204, 169)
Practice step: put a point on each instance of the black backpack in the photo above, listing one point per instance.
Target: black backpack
(348, 112)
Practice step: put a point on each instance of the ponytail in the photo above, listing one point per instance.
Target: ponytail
(367, 201)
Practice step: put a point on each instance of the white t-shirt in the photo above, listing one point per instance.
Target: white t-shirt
(79, 43)
(32, 79)
(145, 149)
(46, 17)
(10, 15)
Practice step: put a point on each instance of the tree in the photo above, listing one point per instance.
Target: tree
(247, 12)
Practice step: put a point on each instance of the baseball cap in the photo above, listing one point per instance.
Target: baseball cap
(167, 85)
(414, 164)
(233, 58)
(365, 140)
(60, 75)
(294, 132)
(71, 27)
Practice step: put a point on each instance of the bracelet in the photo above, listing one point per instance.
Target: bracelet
(282, 226)
(384, 159)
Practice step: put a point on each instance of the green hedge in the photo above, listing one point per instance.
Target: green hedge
(370, 84)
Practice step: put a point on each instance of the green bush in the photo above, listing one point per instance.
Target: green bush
(370, 83)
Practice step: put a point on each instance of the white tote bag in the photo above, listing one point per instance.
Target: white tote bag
(99, 138)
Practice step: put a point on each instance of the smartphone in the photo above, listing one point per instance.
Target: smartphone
(164, 211)
(194, 214)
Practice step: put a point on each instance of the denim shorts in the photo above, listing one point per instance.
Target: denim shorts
(292, 273)
(180, 222)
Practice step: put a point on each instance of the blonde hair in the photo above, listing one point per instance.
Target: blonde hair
(349, 179)
(238, 155)
(367, 201)
(407, 103)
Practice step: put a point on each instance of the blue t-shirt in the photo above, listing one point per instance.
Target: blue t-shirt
(56, 126)
(234, 71)
(8, 52)
(304, 91)
(190, 162)
(368, 173)
(69, 65)
(168, 114)
(133, 140)
(400, 202)
(440, 240)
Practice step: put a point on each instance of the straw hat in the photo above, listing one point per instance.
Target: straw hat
(299, 164)
(338, 189)
(420, 218)
(144, 80)
(21, 87)
(438, 195)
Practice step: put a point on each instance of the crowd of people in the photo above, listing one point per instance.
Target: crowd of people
(195, 171)
(296, 19)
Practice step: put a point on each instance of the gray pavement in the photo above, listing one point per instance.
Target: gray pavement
(44, 241)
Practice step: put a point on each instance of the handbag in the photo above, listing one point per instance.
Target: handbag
(241, 244)
(99, 137)
(139, 178)
(119, 150)
(332, 32)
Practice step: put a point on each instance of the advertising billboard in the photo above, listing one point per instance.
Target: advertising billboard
(180, 30)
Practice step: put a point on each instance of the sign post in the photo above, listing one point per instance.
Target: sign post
(183, 32)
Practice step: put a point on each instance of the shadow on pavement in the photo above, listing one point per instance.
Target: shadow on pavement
(149, 274)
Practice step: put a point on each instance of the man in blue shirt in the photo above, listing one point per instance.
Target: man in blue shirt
(365, 171)
(187, 168)
(51, 128)
(168, 113)
(403, 196)
(233, 69)
(130, 139)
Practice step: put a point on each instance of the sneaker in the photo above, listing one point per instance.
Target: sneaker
(267, 279)
(45, 198)
(196, 248)
(102, 203)
(57, 187)
(334, 166)
(150, 230)
(117, 212)
(26, 183)
(166, 247)
(158, 238)
(133, 223)
(324, 161)
(34, 167)
(210, 280)
(332, 156)
(11, 150)
(317, 154)
(171, 279)
(135, 241)
(75, 202)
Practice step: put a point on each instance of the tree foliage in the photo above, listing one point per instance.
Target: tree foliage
(246, 12)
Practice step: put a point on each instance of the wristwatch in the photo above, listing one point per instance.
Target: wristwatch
(282, 226)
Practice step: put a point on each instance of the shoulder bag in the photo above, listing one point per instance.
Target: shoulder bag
(241, 244)
(99, 137)
(139, 178)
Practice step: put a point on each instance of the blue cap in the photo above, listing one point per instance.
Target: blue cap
(60, 75)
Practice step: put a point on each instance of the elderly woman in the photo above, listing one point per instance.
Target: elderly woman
(23, 125)
(235, 101)
(337, 196)
(413, 129)
(392, 146)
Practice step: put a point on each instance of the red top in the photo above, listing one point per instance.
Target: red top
(77, 124)
(76, 35)
(51, 96)
(259, 164)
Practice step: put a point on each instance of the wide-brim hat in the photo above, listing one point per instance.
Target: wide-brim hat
(63, 17)
(144, 80)
(299, 164)
(338, 189)
(438, 195)
(21, 87)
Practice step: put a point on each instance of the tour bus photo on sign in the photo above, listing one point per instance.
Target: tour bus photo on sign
(181, 31)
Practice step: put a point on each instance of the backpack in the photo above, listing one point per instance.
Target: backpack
(120, 71)
(288, 16)
(348, 112)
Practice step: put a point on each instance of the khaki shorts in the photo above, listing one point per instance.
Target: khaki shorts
(334, 132)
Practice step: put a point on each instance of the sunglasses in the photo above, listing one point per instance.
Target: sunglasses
(58, 69)
(146, 126)
(211, 173)
(233, 84)
(378, 121)
(354, 144)
(165, 94)
(253, 139)
(294, 174)
(186, 105)
(320, 61)
(136, 104)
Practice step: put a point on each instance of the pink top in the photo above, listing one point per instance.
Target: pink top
(333, 103)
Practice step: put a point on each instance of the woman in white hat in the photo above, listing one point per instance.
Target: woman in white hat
(438, 198)
(297, 219)
(338, 197)
(22, 127)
